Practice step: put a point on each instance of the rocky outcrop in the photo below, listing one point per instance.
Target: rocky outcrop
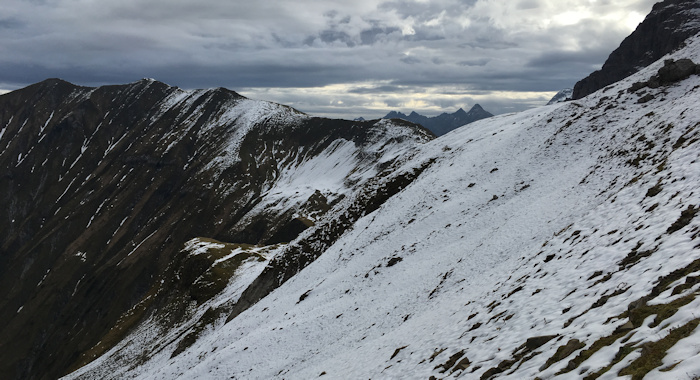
(664, 30)
(671, 72)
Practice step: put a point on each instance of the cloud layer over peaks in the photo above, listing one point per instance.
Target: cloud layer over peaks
(329, 58)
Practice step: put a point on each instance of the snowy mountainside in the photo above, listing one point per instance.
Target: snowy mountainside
(560, 242)
(561, 96)
(104, 188)
(664, 30)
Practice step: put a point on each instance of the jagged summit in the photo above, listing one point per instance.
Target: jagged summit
(663, 31)
(444, 122)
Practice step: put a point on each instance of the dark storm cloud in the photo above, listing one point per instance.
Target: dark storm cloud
(387, 52)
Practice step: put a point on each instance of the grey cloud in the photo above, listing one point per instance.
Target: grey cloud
(566, 57)
(376, 34)
(424, 11)
(528, 4)
(11, 23)
(411, 60)
(267, 44)
(489, 44)
(425, 35)
(475, 62)
(377, 90)
(331, 36)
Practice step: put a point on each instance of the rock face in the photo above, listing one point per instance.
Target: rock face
(102, 188)
(444, 122)
(664, 30)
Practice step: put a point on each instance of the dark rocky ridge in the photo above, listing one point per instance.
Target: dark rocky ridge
(103, 186)
(444, 122)
(664, 30)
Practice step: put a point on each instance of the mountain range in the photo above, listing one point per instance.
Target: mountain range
(151, 232)
(444, 122)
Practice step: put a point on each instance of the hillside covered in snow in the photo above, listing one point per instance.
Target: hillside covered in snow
(560, 242)
(103, 188)
(150, 232)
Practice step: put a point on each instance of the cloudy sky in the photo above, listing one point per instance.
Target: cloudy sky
(327, 58)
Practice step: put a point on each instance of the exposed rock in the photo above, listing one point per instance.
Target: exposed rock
(452, 361)
(536, 342)
(664, 30)
(645, 98)
(674, 71)
(671, 72)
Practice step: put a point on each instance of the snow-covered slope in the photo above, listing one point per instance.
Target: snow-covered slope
(561, 96)
(104, 189)
(560, 242)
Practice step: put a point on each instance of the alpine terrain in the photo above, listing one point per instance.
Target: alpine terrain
(107, 191)
(561, 96)
(155, 233)
(444, 122)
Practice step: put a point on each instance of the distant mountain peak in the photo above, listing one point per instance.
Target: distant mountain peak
(561, 96)
(444, 122)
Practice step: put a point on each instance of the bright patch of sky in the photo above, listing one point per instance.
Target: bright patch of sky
(438, 55)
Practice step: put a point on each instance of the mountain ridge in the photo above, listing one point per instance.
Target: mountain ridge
(105, 186)
(444, 122)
